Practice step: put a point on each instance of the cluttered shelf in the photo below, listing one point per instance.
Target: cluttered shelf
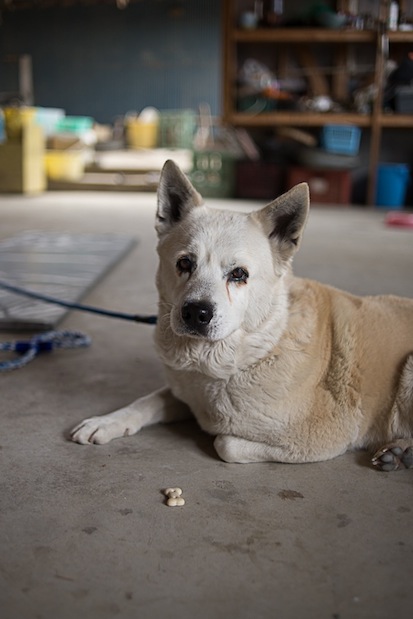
(328, 66)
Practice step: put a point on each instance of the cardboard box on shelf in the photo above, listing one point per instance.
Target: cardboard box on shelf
(22, 162)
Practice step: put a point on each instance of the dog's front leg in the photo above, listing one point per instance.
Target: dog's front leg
(157, 407)
(235, 449)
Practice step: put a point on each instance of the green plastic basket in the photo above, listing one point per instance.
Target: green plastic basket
(213, 174)
(177, 128)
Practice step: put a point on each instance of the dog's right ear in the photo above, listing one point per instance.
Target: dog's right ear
(176, 196)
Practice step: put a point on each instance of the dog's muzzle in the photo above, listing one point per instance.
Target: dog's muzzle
(197, 315)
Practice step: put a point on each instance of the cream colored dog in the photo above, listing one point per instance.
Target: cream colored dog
(276, 367)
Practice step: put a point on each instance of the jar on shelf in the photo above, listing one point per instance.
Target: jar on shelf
(273, 12)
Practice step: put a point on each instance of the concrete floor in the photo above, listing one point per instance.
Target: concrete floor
(84, 531)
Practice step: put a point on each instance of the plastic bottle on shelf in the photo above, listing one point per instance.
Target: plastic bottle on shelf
(393, 17)
(274, 12)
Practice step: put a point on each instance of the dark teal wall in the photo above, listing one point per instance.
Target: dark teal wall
(103, 62)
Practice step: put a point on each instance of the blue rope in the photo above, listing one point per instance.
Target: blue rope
(29, 349)
(45, 342)
(150, 320)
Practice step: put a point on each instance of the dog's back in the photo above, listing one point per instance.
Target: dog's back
(371, 339)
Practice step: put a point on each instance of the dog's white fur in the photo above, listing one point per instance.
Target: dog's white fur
(276, 367)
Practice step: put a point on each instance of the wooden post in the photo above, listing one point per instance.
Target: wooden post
(376, 127)
(26, 79)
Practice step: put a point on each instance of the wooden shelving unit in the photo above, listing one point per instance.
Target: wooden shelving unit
(342, 42)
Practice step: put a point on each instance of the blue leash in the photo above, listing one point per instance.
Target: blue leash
(51, 340)
(46, 342)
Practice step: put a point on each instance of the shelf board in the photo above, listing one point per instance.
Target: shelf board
(309, 35)
(318, 120)
(400, 36)
(267, 119)
(396, 120)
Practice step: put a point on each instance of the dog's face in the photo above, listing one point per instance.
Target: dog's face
(220, 271)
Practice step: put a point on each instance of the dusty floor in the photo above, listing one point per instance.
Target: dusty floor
(84, 531)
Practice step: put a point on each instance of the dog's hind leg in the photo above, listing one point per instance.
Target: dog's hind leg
(157, 407)
(236, 449)
(398, 453)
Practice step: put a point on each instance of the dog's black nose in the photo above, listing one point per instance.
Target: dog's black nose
(197, 315)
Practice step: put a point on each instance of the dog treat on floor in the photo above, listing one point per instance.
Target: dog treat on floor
(175, 497)
(175, 501)
(173, 493)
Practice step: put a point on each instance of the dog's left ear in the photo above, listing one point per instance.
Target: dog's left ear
(176, 196)
(284, 219)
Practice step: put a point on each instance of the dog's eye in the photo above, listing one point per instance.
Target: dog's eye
(238, 275)
(184, 265)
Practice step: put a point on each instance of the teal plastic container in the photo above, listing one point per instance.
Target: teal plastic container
(391, 185)
(74, 124)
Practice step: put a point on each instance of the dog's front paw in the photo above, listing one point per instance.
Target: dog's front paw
(100, 430)
(395, 456)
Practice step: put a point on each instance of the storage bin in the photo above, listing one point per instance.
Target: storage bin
(74, 124)
(48, 118)
(213, 174)
(65, 165)
(16, 119)
(341, 139)
(141, 134)
(326, 186)
(391, 184)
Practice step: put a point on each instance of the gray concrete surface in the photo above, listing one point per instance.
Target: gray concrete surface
(84, 531)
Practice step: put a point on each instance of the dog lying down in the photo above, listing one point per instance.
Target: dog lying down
(276, 367)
